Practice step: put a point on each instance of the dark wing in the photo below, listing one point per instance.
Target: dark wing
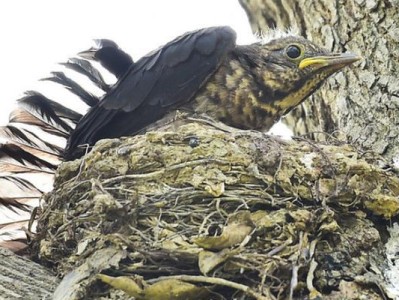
(110, 56)
(163, 80)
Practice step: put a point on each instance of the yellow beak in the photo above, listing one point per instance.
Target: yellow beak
(337, 60)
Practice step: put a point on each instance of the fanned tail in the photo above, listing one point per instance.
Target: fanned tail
(32, 143)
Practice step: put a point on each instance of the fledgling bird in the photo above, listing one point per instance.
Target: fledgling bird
(205, 72)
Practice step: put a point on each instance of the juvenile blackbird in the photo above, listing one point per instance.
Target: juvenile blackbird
(204, 71)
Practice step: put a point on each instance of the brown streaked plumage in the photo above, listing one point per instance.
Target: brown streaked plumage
(204, 71)
(257, 84)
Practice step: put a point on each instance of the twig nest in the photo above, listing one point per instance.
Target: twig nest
(200, 211)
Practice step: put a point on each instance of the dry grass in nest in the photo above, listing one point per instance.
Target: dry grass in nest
(201, 213)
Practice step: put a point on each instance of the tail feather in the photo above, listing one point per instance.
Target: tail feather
(33, 141)
(85, 68)
(38, 110)
(15, 159)
(13, 233)
(14, 203)
(22, 116)
(25, 138)
(18, 190)
(73, 87)
(49, 156)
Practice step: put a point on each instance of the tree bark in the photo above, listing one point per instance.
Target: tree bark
(21, 278)
(359, 104)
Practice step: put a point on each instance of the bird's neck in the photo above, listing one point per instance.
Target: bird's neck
(277, 91)
(235, 95)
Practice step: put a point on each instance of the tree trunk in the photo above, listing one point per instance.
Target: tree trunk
(21, 278)
(359, 104)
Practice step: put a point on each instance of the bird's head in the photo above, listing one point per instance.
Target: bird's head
(110, 56)
(101, 48)
(292, 68)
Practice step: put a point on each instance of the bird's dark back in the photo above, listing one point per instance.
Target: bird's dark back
(203, 71)
(163, 80)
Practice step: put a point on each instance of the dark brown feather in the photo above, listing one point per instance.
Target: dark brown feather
(29, 150)
(158, 82)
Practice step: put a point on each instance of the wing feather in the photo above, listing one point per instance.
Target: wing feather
(187, 54)
(85, 68)
(157, 83)
(73, 87)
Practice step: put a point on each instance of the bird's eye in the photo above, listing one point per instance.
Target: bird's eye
(293, 51)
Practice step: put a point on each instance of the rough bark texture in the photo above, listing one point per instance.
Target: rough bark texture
(21, 278)
(360, 104)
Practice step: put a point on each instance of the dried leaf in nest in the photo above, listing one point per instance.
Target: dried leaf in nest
(260, 217)
(172, 289)
(73, 284)
(168, 289)
(125, 283)
(238, 228)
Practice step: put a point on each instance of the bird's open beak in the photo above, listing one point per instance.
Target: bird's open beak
(336, 61)
(88, 54)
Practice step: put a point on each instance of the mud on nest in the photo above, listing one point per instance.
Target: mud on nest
(201, 213)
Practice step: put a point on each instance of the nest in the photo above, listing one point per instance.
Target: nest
(199, 212)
